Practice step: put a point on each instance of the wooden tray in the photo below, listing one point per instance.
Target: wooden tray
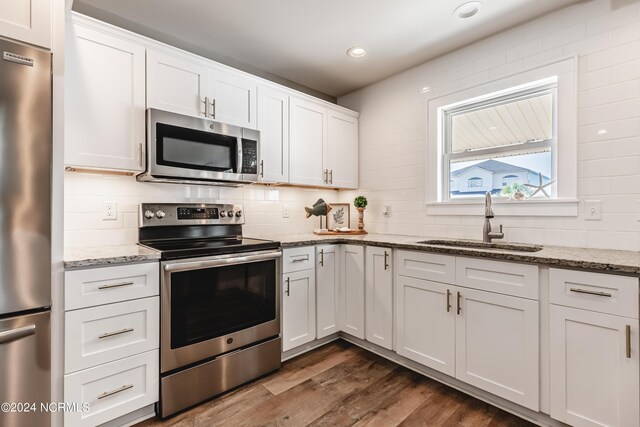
(343, 233)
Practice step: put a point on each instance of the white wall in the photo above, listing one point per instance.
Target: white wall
(605, 34)
(84, 194)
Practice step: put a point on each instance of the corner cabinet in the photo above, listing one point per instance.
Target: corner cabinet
(273, 124)
(105, 105)
(324, 145)
(27, 21)
(379, 296)
(327, 289)
(351, 296)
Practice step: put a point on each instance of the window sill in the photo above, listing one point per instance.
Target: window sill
(555, 207)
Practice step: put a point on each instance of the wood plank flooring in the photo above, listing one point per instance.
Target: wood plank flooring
(340, 384)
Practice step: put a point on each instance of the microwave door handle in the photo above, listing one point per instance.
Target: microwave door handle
(239, 166)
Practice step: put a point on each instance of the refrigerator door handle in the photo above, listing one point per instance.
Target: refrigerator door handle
(14, 334)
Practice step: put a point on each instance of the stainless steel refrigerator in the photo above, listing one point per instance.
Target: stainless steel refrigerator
(25, 233)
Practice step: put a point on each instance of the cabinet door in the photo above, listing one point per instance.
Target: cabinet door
(298, 309)
(308, 127)
(273, 124)
(26, 20)
(594, 379)
(497, 345)
(351, 297)
(327, 281)
(379, 296)
(425, 323)
(234, 98)
(176, 85)
(341, 150)
(104, 120)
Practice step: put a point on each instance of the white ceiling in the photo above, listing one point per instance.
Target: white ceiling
(306, 41)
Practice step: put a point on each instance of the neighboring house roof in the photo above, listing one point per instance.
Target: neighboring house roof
(495, 167)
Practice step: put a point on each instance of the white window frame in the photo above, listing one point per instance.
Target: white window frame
(475, 180)
(564, 158)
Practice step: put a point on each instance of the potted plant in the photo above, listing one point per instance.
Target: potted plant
(360, 203)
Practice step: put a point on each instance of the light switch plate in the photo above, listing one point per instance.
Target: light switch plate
(285, 211)
(593, 210)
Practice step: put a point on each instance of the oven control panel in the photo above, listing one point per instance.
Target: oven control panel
(164, 214)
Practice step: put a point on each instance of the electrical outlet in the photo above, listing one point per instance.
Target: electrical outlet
(593, 210)
(285, 211)
(386, 210)
(109, 210)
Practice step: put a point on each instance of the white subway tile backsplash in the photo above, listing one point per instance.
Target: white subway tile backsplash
(605, 35)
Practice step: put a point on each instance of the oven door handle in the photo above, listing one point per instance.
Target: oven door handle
(206, 263)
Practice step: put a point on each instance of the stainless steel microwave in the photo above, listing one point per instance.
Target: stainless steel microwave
(184, 149)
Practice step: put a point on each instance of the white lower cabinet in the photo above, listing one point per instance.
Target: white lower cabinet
(594, 368)
(497, 345)
(298, 309)
(112, 390)
(351, 297)
(379, 296)
(425, 323)
(111, 341)
(327, 281)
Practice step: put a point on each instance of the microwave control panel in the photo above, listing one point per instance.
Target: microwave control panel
(249, 156)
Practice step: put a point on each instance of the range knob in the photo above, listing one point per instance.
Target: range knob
(223, 214)
(160, 214)
(239, 214)
(149, 214)
(230, 213)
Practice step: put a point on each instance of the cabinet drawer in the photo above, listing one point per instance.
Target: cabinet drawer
(298, 259)
(105, 285)
(112, 390)
(604, 293)
(520, 280)
(427, 266)
(106, 333)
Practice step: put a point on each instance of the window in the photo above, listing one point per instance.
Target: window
(509, 132)
(519, 130)
(509, 180)
(474, 182)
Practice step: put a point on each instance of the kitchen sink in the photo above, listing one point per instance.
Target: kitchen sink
(475, 244)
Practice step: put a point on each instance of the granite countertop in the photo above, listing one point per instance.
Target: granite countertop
(561, 256)
(105, 255)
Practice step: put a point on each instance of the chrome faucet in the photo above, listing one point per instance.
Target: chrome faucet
(487, 234)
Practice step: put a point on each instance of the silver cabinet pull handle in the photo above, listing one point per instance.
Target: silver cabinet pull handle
(628, 339)
(116, 391)
(326, 176)
(306, 258)
(331, 176)
(596, 293)
(322, 257)
(111, 334)
(386, 260)
(287, 290)
(458, 307)
(206, 106)
(448, 300)
(261, 168)
(213, 108)
(140, 155)
(115, 285)
(14, 334)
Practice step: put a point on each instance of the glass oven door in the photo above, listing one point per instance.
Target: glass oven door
(211, 306)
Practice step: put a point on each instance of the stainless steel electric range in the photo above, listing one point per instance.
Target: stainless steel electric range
(220, 300)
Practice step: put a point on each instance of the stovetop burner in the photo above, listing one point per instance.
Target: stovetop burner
(185, 230)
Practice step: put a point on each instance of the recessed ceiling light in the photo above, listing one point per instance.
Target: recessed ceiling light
(356, 52)
(602, 132)
(468, 9)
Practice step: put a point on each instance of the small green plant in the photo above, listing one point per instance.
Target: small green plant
(360, 202)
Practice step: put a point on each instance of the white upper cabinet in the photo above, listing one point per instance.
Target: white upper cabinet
(273, 124)
(105, 105)
(177, 85)
(341, 150)
(27, 21)
(308, 130)
(232, 98)
(324, 146)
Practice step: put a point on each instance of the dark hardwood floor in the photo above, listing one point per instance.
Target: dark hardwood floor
(340, 384)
